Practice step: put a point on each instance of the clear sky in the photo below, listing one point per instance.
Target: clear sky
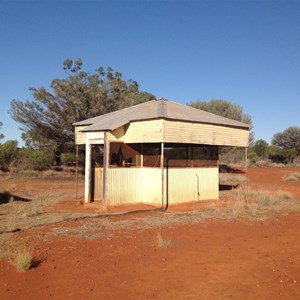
(247, 52)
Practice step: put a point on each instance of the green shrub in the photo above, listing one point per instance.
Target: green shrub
(41, 159)
(8, 153)
(68, 159)
(29, 159)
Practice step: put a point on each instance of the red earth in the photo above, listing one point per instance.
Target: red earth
(117, 257)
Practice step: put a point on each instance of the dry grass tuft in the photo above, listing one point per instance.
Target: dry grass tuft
(292, 177)
(161, 242)
(261, 204)
(22, 259)
(226, 177)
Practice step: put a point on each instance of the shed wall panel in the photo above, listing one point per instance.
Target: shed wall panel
(79, 136)
(185, 184)
(95, 137)
(133, 185)
(144, 132)
(98, 183)
(185, 132)
(117, 134)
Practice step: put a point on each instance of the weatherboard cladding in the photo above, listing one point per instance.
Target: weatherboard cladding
(198, 133)
(155, 109)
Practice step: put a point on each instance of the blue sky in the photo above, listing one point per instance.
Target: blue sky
(246, 52)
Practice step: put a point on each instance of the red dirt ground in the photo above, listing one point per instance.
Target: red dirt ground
(210, 260)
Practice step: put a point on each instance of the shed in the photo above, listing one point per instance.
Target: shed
(159, 152)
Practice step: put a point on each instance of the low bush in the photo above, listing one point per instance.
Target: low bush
(38, 160)
(41, 160)
(8, 153)
(68, 159)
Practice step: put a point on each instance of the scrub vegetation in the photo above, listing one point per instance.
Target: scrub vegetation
(22, 259)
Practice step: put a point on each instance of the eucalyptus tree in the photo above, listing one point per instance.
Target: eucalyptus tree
(46, 121)
(1, 135)
(288, 139)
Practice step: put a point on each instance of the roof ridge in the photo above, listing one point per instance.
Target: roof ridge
(161, 108)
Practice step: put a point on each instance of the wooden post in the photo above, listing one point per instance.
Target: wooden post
(105, 169)
(88, 170)
(76, 189)
(162, 175)
(246, 171)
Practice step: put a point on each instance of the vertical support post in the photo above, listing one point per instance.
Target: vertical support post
(76, 189)
(162, 175)
(218, 166)
(88, 170)
(246, 171)
(142, 155)
(105, 169)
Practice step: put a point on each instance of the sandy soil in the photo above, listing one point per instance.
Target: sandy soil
(119, 257)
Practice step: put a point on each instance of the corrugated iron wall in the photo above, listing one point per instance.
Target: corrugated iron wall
(131, 185)
(185, 185)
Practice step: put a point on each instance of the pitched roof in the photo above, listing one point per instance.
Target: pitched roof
(155, 109)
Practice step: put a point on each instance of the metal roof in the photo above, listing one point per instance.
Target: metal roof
(155, 109)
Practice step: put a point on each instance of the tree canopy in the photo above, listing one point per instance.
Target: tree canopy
(8, 152)
(47, 120)
(1, 135)
(288, 139)
(225, 109)
(261, 148)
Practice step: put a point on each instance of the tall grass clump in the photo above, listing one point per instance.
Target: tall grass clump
(22, 259)
(225, 178)
(251, 203)
(292, 177)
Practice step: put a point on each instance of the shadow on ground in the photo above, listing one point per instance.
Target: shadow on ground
(7, 197)
(227, 187)
(227, 169)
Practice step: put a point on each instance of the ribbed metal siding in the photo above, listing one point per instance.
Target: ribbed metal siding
(132, 185)
(98, 183)
(184, 184)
